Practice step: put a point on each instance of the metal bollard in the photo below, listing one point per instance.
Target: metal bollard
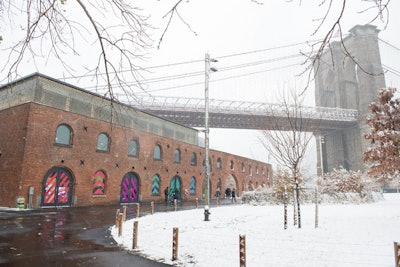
(152, 207)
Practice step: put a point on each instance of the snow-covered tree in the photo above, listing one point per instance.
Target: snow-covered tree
(383, 156)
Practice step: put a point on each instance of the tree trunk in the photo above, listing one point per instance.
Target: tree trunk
(294, 209)
(298, 203)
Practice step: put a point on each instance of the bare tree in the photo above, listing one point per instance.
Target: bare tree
(384, 135)
(115, 29)
(288, 145)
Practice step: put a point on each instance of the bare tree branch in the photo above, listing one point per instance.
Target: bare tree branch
(51, 30)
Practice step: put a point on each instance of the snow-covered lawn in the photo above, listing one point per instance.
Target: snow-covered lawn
(348, 235)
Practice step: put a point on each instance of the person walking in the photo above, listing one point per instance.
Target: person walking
(233, 193)
(166, 193)
(218, 194)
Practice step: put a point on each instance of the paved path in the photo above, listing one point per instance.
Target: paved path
(69, 237)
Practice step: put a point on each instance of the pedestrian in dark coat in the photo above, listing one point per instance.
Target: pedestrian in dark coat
(166, 193)
(233, 195)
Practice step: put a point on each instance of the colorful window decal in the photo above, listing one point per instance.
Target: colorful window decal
(192, 186)
(130, 188)
(155, 185)
(57, 187)
(175, 188)
(99, 183)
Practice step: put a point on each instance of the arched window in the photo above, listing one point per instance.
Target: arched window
(243, 169)
(133, 148)
(219, 163)
(177, 156)
(99, 183)
(157, 152)
(155, 185)
(204, 164)
(192, 186)
(231, 165)
(250, 186)
(219, 183)
(103, 142)
(63, 135)
(193, 159)
(250, 171)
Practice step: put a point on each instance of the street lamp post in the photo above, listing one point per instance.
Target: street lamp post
(206, 136)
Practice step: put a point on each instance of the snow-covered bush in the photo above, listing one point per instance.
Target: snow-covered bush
(339, 186)
(344, 181)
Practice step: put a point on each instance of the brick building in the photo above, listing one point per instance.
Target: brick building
(64, 146)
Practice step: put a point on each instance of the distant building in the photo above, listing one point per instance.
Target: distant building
(64, 146)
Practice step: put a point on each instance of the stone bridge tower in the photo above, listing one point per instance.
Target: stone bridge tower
(350, 83)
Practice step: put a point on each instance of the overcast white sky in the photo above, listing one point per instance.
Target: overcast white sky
(228, 30)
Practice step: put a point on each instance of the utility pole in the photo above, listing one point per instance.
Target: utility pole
(206, 135)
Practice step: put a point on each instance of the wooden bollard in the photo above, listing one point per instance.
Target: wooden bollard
(396, 254)
(120, 222)
(117, 218)
(124, 213)
(175, 205)
(242, 250)
(135, 234)
(175, 235)
(197, 202)
(137, 210)
(152, 207)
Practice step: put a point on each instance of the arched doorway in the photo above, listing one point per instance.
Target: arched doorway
(57, 187)
(230, 183)
(175, 187)
(130, 188)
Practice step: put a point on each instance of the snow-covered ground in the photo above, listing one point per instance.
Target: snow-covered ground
(347, 235)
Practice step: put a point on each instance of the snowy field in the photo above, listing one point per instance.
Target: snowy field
(347, 235)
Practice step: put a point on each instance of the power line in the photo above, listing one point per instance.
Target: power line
(193, 61)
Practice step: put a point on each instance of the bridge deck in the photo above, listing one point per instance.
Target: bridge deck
(246, 115)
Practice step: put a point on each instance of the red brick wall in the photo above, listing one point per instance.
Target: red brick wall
(82, 159)
(13, 130)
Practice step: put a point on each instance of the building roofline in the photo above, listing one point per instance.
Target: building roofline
(40, 75)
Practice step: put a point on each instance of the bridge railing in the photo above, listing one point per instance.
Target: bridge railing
(243, 107)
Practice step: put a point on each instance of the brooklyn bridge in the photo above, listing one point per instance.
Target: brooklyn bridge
(343, 92)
